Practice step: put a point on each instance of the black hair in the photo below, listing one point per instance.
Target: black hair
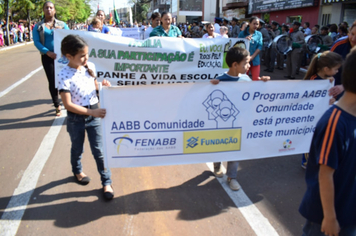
(285, 27)
(307, 24)
(317, 26)
(46, 2)
(100, 11)
(348, 72)
(72, 44)
(296, 23)
(324, 28)
(343, 29)
(165, 13)
(254, 18)
(155, 15)
(236, 54)
(333, 28)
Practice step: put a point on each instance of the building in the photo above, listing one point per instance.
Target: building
(235, 8)
(286, 11)
(336, 11)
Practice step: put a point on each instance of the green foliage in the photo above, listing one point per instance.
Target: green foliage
(66, 10)
(140, 10)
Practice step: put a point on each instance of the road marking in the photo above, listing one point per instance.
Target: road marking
(20, 81)
(253, 216)
(11, 218)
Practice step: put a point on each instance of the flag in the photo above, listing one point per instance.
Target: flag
(116, 16)
(98, 7)
(110, 22)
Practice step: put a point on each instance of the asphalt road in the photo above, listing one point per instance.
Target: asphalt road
(40, 197)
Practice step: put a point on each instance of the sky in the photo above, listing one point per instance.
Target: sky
(107, 5)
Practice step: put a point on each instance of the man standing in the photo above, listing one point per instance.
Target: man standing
(293, 58)
(235, 28)
(271, 52)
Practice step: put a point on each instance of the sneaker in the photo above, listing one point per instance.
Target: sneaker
(218, 173)
(233, 184)
(58, 111)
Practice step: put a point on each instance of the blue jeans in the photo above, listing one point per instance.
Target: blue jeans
(231, 170)
(76, 126)
(314, 229)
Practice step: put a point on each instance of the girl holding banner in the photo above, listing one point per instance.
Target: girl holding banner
(166, 29)
(77, 87)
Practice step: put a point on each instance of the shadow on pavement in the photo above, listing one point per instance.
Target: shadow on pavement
(194, 200)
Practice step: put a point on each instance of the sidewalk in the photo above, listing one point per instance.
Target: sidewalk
(15, 46)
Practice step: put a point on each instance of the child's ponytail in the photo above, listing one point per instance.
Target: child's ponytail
(326, 59)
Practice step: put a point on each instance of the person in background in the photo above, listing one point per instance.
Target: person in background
(100, 14)
(333, 31)
(96, 25)
(307, 30)
(271, 53)
(210, 32)
(266, 40)
(329, 205)
(195, 30)
(327, 40)
(44, 42)
(256, 43)
(244, 25)
(166, 29)
(294, 57)
(342, 32)
(224, 32)
(235, 30)
(342, 46)
(315, 31)
(217, 24)
(155, 21)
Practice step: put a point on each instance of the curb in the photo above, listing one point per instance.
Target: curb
(15, 46)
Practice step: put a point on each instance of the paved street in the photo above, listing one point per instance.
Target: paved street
(164, 200)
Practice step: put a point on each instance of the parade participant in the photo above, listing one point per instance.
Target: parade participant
(235, 28)
(238, 60)
(217, 24)
(195, 30)
(244, 25)
(271, 52)
(78, 89)
(323, 66)
(307, 30)
(255, 38)
(100, 14)
(43, 40)
(294, 57)
(327, 40)
(343, 47)
(223, 32)
(333, 31)
(166, 29)
(329, 204)
(96, 25)
(342, 32)
(210, 32)
(155, 21)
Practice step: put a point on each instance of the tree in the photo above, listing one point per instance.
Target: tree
(140, 9)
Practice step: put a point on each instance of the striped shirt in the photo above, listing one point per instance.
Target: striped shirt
(341, 47)
(333, 145)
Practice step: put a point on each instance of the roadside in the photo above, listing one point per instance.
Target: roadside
(5, 48)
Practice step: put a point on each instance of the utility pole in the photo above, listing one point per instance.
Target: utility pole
(217, 12)
(7, 22)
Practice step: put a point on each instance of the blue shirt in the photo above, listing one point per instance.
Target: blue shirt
(333, 145)
(48, 36)
(342, 47)
(159, 31)
(255, 43)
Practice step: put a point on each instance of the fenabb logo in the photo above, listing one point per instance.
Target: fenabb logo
(287, 146)
(127, 143)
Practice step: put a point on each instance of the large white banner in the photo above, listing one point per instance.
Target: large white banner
(200, 122)
(158, 60)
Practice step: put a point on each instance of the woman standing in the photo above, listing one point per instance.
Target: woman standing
(100, 14)
(210, 29)
(256, 43)
(166, 29)
(43, 40)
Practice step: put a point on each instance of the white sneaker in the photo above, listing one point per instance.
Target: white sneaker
(218, 173)
(233, 184)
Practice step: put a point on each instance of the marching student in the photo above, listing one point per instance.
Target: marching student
(323, 66)
(329, 204)
(238, 60)
(78, 89)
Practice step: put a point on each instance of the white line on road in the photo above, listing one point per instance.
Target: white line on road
(253, 216)
(11, 218)
(20, 82)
